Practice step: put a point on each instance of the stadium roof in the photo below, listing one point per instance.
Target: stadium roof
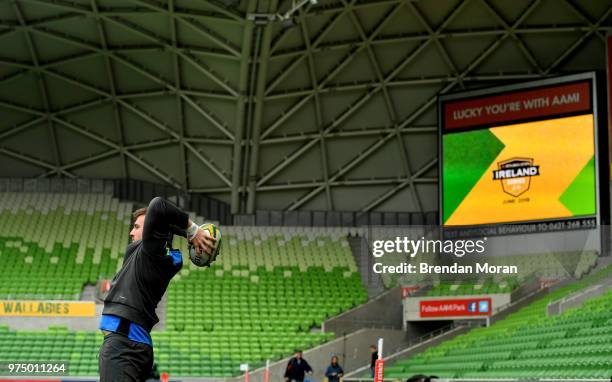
(333, 109)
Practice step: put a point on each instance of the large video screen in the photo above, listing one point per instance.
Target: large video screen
(524, 154)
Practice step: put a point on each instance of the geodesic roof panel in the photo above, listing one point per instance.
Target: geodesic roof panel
(335, 110)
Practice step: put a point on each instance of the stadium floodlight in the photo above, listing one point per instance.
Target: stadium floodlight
(296, 6)
(261, 18)
(288, 23)
(285, 18)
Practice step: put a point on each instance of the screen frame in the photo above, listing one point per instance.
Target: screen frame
(599, 141)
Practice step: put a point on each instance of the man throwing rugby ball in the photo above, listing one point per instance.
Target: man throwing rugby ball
(148, 266)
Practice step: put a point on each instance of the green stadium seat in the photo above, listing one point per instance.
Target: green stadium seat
(528, 344)
(246, 293)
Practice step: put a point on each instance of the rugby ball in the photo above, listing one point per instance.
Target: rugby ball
(204, 259)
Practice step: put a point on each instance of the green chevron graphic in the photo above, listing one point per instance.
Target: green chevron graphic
(579, 197)
(466, 158)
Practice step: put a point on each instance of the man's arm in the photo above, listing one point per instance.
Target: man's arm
(328, 372)
(175, 230)
(287, 370)
(307, 366)
(161, 215)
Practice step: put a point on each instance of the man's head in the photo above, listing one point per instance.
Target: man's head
(298, 353)
(373, 348)
(139, 218)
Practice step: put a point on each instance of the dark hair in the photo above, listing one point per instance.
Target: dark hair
(139, 212)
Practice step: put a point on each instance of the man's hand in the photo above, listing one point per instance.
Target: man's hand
(203, 242)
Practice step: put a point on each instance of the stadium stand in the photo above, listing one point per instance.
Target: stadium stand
(271, 287)
(80, 348)
(545, 266)
(548, 266)
(53, 244)
(469, 288)
(527, 343)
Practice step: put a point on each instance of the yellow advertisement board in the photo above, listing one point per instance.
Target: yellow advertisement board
(17, 308)
(540, 170)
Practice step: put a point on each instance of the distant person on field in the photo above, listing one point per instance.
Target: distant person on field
(334, 371)
(373, 358)
(297, 368)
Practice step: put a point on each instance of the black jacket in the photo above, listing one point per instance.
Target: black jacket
(331, 369)
(147, 270)
(296, 370)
